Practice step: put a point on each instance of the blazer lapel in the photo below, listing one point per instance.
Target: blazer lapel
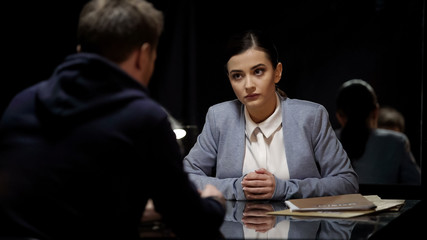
(232, 159)
(290, 136)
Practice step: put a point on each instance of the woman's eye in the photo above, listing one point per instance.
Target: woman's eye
(259, 71)
(236, 76)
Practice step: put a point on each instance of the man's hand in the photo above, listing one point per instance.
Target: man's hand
(211, 191)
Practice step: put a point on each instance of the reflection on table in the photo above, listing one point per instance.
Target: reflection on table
(248, 220)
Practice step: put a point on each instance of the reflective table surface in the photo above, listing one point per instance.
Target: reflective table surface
(248, 220)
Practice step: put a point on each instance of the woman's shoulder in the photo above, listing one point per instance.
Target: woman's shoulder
(303, 107)
(298, 103)
(389, 136)
(386, 133)
(227, 107)
(226, 114)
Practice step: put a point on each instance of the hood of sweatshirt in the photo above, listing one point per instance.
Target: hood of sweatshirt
(82, 87)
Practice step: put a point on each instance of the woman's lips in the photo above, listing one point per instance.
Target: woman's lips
(252, 96)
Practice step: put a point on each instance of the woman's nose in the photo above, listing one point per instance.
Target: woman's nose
(249, 83)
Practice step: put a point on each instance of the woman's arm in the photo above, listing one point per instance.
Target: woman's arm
(320, 164)
(410, 172)
(202, 161)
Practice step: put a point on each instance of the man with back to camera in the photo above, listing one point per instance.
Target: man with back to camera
(81, 153)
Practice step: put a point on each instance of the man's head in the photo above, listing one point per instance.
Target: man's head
(114, 28)
(126, 32)
(391, 118)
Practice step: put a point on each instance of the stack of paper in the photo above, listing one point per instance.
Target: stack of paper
(344, 202)
(341, 206)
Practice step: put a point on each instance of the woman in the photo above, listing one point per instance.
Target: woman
(265, 145)
(379, 156)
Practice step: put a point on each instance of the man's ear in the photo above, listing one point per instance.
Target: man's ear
(144, 55)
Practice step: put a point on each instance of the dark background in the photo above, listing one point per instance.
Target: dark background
(321, 43)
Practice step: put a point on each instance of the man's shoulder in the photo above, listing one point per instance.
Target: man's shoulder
(24, 98)
(148, 106)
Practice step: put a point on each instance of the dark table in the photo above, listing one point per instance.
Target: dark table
(247, 220)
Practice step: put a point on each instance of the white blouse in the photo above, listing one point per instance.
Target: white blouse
(265, 147)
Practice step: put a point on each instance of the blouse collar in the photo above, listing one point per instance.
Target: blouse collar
(268, 126)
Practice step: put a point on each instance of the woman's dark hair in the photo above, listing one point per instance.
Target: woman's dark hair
(256, 39)
(356, 100)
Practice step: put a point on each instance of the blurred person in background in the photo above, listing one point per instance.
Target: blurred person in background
(390, 118)
(379, 156)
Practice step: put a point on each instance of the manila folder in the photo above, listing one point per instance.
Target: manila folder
(345, 202)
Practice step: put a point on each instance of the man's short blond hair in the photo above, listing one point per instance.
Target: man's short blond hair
(114, 28)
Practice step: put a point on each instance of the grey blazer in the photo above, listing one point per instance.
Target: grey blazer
(318, 165)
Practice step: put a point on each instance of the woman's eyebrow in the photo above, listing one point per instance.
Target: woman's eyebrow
(233, 71)
(252, 68)
(258, 65)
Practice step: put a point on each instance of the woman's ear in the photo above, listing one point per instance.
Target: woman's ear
(374, 116)
(342, 119)
(278, 73)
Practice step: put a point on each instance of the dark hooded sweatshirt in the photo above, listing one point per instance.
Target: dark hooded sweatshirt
(82, 152)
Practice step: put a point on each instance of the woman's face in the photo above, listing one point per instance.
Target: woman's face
(253, 79)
